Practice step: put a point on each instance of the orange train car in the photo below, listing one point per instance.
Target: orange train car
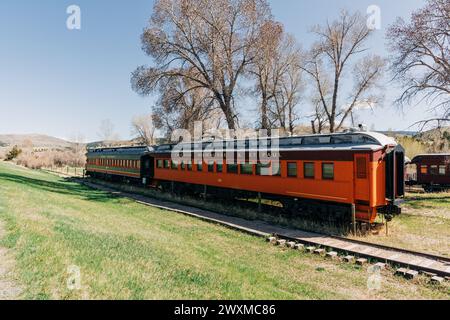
(319, 175)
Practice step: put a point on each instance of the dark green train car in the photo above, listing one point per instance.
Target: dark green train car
(121, 163)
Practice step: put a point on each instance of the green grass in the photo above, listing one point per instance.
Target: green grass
(125, 250)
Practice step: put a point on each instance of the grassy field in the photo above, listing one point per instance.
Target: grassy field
(424, 224)
(125, 250)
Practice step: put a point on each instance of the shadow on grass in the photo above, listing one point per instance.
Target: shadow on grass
(65, 187)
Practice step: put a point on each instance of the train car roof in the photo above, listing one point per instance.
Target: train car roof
(135, 150)
(318, 142)
(429, 155)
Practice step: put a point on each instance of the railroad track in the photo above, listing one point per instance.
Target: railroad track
(406, 262)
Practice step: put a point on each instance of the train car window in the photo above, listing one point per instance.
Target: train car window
(344, 139)
(189, 166)
(166, 164)
(159, 163)
(292, 169)
(246, 168)
(308, 169)
(263, 169)
(442, 170)
(423, 169)
(219, 167)
(232, 168)
(200, 166)
(174, 165)
(328, 171)
(183, 165)
(434, 169)
(361, 168)
(211, 167)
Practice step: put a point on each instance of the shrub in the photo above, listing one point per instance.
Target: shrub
(13, 153)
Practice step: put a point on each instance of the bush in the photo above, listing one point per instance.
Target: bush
(13, 153)
(37, 159)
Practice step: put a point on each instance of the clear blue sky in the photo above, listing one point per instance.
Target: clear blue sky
(62, 82)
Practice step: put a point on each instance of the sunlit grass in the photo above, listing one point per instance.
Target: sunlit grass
(125, 250)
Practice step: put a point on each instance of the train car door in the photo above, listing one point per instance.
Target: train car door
(147, 168)
(361, 180)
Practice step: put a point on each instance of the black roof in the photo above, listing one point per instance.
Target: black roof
(135, 150)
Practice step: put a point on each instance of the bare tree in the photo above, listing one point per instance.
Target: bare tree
(142, 127)
(288, 89)
(334, 52)
(277, 72)
(265, 70)
(208, 42)
(106, 131)
(319, 117)
(421, 57)
(179, 108)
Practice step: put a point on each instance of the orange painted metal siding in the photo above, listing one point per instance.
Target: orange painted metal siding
(343, 188)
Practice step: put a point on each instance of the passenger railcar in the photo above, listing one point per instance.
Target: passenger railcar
(432, 171)
(319, 175)
(120, 163)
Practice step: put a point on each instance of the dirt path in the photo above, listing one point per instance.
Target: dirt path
(9, 289)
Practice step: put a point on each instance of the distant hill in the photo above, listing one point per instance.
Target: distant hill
(37, 140)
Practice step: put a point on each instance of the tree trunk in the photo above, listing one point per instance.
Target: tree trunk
(264, 118)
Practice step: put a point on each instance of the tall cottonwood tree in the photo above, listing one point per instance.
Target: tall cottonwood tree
(178, 107)
(288, 89)
(276, 70)
(208, 42)
(421, 57)
(338, 44)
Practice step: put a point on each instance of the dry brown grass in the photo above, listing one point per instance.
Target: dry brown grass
(424, 225)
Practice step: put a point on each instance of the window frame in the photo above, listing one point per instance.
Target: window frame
(287, 169)
(313, 170)
(166, 164)
(422, 167)
(247, 165)
(332, 166)
(233, 165)
(434, 169)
